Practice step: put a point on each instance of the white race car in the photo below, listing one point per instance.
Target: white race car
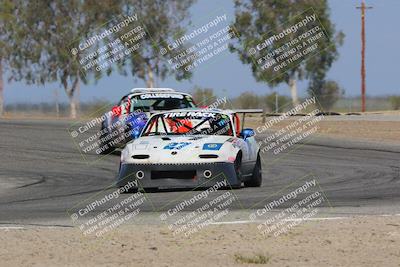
(190, 148)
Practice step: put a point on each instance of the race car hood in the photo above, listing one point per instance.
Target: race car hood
(180, 149)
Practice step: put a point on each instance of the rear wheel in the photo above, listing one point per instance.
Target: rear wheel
(256, 178)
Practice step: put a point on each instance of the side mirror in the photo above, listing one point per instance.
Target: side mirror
(136, 124)
(246, 133)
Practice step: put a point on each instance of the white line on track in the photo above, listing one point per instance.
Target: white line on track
(287, 220)
(296, 220)
(6, 228)
(22, 227)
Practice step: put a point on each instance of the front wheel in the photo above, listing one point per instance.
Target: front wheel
(238, 171)
(256, 178)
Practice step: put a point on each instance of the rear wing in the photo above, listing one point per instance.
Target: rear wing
(247, 111)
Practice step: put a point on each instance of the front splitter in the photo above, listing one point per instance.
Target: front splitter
(142, 173)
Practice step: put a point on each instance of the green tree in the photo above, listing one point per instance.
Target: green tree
(276, 102)
(248, 100)
(48, 27)
(258, 20)
(203, 96)
(327, 93)
(5, 40)
(13, 46)
(164, 20)
(395, 102)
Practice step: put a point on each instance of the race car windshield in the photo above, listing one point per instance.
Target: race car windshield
(189, 123)
(160, 101)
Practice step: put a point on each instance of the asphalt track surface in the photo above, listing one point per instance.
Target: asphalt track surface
(43, 176)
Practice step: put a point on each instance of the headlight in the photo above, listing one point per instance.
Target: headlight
(125, 154)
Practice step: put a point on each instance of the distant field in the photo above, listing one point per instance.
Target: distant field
(381, 127)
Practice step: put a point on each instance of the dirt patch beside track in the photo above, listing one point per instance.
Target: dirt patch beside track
(359, 241)
(378, 131)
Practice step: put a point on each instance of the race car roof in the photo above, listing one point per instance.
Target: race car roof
(146, 90)
(141, 91)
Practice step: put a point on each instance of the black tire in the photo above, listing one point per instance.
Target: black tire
(238, 168)
(256, 178)
(149, 190)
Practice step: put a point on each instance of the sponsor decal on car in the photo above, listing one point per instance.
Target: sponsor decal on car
(212, 146)
(160, 95)
(190, 114)
(176, 145)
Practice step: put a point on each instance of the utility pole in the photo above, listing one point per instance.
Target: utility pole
(56, 102)
(363, 7)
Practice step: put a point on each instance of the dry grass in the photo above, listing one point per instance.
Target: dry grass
(378, 131)
(256, 259)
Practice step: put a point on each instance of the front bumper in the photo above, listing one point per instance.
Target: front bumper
(189, 175)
